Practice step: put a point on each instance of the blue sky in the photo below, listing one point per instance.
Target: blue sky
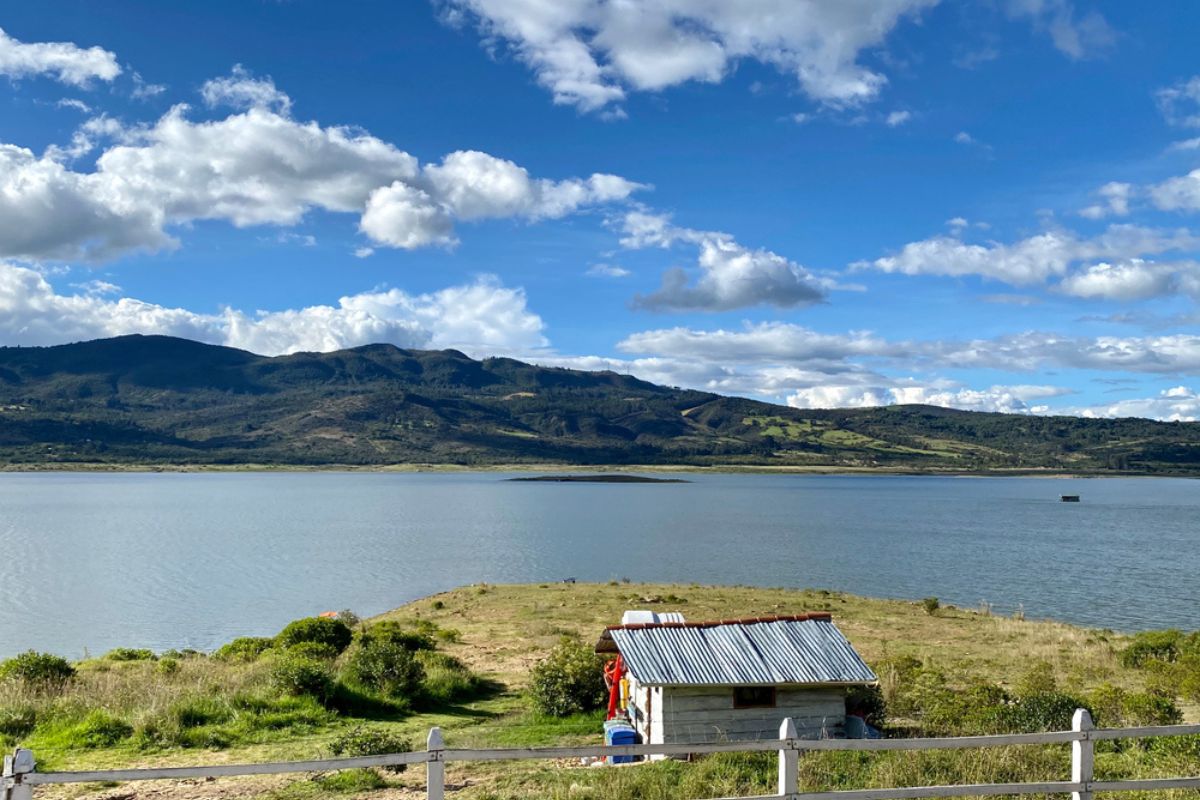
(990, 205)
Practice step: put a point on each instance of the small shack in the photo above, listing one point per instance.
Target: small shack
(696, 682)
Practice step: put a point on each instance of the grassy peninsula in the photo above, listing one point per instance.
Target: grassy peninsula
(155, 401)
(943, 670)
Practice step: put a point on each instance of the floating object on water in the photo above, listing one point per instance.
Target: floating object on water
(1070, 498)
(328, 615)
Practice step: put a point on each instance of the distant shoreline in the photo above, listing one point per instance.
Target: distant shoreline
(717, 469)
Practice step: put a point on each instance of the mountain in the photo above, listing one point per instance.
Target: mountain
(161, 400)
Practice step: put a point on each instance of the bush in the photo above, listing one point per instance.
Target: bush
(363, 741)
(386, 667)
(867, 702)
(1049, 711)
(350, 781)
(324, 630)
(1152, 645)
(318, 651)
(38, 669)
(569, 681)
(244, 648)
(1038, 679)
(1146, 708)
(395, 633)
(931, 605)
(447, 680)
(17, 721)
(300, 675)
(168, 666)
(129, 654)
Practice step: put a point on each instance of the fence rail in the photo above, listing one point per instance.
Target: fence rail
(20, 775)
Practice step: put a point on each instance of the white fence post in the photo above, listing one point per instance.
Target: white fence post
(16, 766)
(789, 760)
(435, 768)
(1082, 755)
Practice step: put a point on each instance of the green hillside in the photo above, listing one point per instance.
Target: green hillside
(161, 400)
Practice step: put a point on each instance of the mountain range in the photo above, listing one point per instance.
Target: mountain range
(156, 400)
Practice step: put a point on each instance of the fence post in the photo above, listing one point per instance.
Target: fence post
(435, 767)
(16, 766)
(1082, 755)
(789, 760)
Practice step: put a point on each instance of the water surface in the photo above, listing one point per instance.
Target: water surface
(92, 561)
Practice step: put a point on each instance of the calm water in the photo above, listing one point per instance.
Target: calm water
(174, 560)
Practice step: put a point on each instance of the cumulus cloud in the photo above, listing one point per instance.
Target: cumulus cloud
(1135, 279)
(608, 271)
(240, 89)
(1076, 35)
(1178, 194)
(63, 61)
(1177, 404)
(731, 275)
(590, 53)
(1033, 260)
(482, 318)
(898, 118)
(1002, 399)
(260, 167)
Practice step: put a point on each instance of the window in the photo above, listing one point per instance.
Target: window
(754, 697)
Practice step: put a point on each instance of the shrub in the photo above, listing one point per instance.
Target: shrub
(447, 680)
(569, 681)
(1146, 708)
(39, 669)
(1038, 679)
(300, 675)
(1152, 645)
(168, 666)
(17, 721)
(386, 667)
(244, 648)
(351, 781)
(867, 702)
(129, 654)
(449, 635)
(319, 651)
(395, 633)
(324, 630)
(364, 741)
(931, 605)
(1048, 711)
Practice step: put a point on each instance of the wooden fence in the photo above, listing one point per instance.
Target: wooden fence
(20, 776)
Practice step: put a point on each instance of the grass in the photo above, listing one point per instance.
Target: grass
(501, 632)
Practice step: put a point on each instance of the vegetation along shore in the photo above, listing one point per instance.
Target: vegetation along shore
(477, 661)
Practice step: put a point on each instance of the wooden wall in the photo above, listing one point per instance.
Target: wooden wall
(684, 714)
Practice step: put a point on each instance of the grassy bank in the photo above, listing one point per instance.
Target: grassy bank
(943, 670)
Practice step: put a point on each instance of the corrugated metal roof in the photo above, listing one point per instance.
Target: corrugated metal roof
(796, 650)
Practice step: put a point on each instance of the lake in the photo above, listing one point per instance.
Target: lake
(92, 561)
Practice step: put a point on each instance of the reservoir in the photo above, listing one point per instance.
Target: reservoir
(90, 561)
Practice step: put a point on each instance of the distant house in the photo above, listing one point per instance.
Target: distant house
(694, 682)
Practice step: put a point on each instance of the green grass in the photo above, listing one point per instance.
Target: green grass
(207, 710)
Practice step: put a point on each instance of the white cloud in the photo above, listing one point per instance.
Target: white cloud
(1002, 399)
(608, 271)
(1032, 260)
(1134, 279)
(242, 90)
(962, 137)
(254, 168)
(1180, 104)
(1078, 36)
(1177, 404)
(731, 275)
(1185, 144)
(143, 90)
(897, 118)
(589, 53)
(777, 342)
(482, 318)
(63, 61)
(364, 252)
(1178, 194)
(78, 105)
(1115, 198)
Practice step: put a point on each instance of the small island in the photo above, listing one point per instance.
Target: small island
(598, 479)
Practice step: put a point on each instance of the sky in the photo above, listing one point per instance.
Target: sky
(989, 205)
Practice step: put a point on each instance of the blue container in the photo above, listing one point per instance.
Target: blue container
(619, 733)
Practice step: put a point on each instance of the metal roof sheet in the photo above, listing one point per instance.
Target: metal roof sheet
(796, 650)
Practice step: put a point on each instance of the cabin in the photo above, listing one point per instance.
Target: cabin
(697, 682)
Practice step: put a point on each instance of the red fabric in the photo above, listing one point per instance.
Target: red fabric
(613, 671)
